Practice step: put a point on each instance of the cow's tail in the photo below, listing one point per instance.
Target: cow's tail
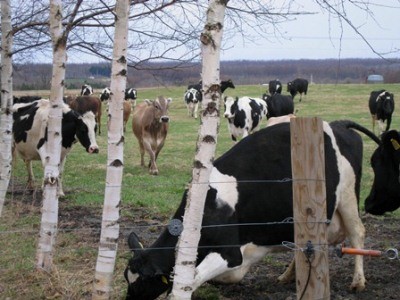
(370, 134)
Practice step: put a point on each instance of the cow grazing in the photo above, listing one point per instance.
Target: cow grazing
(278, 105)
(274, 86)
(150, 122)
(30, 134)
(86, 90)
(381, 107)
(224, 85)
(299, 85)
(131, 94)
(127, 112)
(385, 161)
(192, 99)
(241, 192)
(105, 94)
(244, 115)
(82, 104)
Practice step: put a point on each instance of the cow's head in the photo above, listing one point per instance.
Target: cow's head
(289, 86)
(230, 107)
(160, 108)
(145, 277)
(227, 84)
(105, 94)
(385, 102)
(86, 132)
(86, 90)
(385, 161)
(130, 93)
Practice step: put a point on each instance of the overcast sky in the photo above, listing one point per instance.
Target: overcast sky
(318, 36)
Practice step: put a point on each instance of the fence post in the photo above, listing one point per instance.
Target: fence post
(309, 208)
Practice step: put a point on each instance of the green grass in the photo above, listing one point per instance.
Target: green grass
(84, 183)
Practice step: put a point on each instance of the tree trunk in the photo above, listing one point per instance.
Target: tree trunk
(52, 147)
(207, 141)
(6, 119)
(110, 223)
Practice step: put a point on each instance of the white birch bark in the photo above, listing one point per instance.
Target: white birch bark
(6, 119)
(186, 255)
(102, 287)
(52, 147)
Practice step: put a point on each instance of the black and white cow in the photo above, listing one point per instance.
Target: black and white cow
(236, 196)
(385, 161)
(86, 90)
(131, 95)
(299, 85)
(278, 105)
(244, 115)
(105, 94)
(30, 134)
(192, 99)
(381, 107)
(274, 86)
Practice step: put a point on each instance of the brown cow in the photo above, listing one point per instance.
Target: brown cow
(150, 126)
(82, 104)
(127, 112)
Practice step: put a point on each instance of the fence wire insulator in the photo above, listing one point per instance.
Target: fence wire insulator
(175, 227)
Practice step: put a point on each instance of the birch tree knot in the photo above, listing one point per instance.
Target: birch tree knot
(122, 59)
(116, 163)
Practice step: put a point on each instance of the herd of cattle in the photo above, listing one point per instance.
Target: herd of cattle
(235, 195)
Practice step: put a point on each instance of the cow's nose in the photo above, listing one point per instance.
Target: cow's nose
(165, 119)
(226, 115)
(93, 149)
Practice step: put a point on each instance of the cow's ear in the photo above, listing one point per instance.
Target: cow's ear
(391, 139)
(134, 243)
(148, 101)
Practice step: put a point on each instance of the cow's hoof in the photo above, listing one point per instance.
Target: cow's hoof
(357, 286)
(153, 172)
(287, 277)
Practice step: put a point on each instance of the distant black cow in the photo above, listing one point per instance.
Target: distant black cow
(385, 161)
(274, 86)
(299, 85)
(86, 90)
(30, 133)
(238, 194)
(381, 107)
(278, 105)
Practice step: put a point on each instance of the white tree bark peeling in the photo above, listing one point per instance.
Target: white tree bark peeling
(6, 120)
(185, 282)
(102, 287)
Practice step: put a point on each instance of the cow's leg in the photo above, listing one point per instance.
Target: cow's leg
(355, 231)
(381, 125)
(289, 275)
(196, 107)
(388, 122)
(373, 123)
(153, 170)
(98, 117)
(31, 177)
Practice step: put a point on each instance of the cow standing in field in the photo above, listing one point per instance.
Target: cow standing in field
(299, 85)
(381, 107)
(244, 115)
(238, 194)
(82, 104)
(274, 86)
(224, 85)
(30, 134)
(278, 105)
(150, 122)
(131, 94)
(86, 90)
(192, 99)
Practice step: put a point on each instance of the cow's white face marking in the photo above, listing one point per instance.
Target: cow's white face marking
(132, 277)
(226, 186)
(228, 104)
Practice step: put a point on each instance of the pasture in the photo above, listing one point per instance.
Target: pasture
(147, 201)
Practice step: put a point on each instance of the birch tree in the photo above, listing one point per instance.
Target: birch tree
(6, 101)
(52, 147)
(186, 256)
(110, 222)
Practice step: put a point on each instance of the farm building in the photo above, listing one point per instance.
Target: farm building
(375, 78)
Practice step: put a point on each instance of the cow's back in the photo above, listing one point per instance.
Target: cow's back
(141, 118)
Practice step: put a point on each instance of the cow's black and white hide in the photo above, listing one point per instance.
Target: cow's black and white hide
(105, 94)
(246, 187)
(86, 90)
(381, 107)
(192, 99)
(30, 134)
(244, 115)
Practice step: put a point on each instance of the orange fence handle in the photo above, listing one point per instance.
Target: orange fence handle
(354, 251)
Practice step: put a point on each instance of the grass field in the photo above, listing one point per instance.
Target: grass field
(157, 196)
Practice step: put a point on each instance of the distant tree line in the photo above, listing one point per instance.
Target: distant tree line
(37, 76)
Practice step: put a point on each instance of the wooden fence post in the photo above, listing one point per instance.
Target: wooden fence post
(309, 208)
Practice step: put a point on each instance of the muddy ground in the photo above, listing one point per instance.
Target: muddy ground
(382, 274)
